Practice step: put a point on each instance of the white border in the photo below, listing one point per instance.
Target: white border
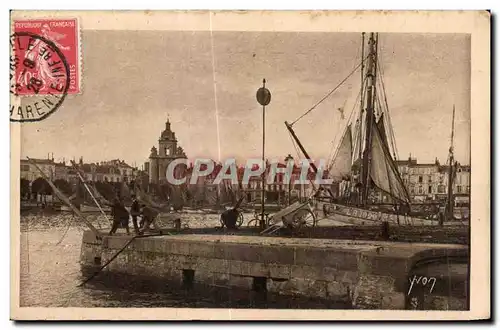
(4, 197)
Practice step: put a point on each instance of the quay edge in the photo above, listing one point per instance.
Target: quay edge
(363, 274)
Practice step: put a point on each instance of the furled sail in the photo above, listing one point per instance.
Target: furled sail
(342, 162)
(381, 128)
(384, 172)
(357, 142)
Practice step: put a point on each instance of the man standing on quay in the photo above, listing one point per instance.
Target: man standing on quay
(135, 211)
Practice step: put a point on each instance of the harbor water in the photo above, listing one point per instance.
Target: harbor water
(50, 273)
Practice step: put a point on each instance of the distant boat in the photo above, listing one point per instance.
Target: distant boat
(87, 209)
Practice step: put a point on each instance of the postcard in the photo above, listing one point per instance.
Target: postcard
(250, 165)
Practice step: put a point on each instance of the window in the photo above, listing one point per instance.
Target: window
(420, 179)
(25, 168)
(420, 190)
(459, 189)
(430, 190)
(441, 189)
(167, 151)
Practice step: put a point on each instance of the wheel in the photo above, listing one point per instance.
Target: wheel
(240, 219)
(253, 223)
(304, 218)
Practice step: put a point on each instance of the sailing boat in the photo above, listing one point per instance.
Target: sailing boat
(368, 185)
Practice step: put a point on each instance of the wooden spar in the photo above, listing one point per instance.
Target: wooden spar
(290, 129)
(450, 171)
(315, 169)
(66, 200)
(92, 195)
(238, 203)
(370, 74)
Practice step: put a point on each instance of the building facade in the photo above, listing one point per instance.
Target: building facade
(115, 170)
(30, 172)
(109, 171)
(428, 182)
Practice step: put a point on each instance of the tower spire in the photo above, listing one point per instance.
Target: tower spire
(167, 124)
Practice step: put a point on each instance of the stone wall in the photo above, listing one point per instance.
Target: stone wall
(361, 274)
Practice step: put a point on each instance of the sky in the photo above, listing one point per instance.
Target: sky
(132, 81)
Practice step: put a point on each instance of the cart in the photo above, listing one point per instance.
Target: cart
(296, 216)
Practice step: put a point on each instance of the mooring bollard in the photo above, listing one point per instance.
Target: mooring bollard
(384, 230)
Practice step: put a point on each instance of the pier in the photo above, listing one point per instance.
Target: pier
(363, 274)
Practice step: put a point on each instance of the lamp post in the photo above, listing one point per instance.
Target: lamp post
(288, 159)
(264, 98)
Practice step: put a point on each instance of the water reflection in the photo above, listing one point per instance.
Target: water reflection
(50, 274)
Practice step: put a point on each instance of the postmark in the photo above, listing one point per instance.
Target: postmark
(39, 77)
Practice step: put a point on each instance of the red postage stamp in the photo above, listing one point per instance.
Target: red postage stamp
(50, 52)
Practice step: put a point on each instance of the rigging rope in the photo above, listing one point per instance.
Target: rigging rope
(330, 93)
(330, 162)
(390, 130)
(331, 155)
(389, 119)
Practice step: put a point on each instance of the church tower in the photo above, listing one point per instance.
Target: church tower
(167, 151)
(167, 142)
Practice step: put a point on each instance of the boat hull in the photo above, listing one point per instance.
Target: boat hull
(359, 216)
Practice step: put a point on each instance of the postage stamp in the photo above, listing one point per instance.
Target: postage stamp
(44, 66)
(62, 34)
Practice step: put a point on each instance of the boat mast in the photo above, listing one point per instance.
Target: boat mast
(361, 104)
(450, 171)
(370, 75)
